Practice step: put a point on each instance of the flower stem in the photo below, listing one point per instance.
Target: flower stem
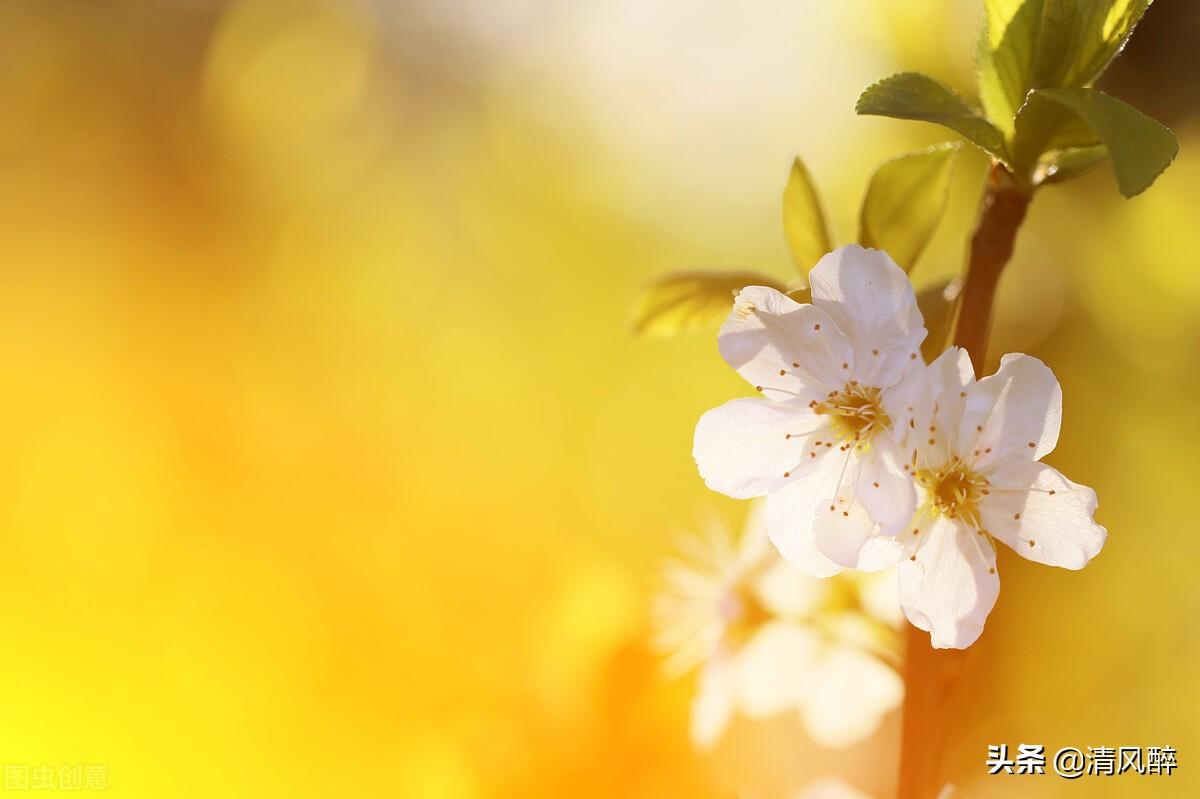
(931, 675)
(1000, 215)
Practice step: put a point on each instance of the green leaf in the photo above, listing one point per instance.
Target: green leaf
(911, 95)
(998, 15)
(1043, 127)
(904, 202)
(1080, 38)
(1005, 56)
(938, 303)
(1067, 164)
(1139, 147)
(694, 300)
(1044, 44)
(803, 221)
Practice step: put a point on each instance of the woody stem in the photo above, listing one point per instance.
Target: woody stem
(1000, 216)
(932, 675)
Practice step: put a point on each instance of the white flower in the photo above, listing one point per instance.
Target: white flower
(973, 448)
(770, 639)
(831, 788)
(823, 435)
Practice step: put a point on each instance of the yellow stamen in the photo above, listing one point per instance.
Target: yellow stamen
(857, 414)
(954, 491)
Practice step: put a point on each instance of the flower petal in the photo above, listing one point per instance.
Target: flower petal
(713, 706)
(769, 670)
(745, 447)
(948, 584)
(830, 788)
(926, 425)
(872, 302)
(880, 596)
(848, 693)
(880, 552)
(922, 387)
(1015, 412)
(845, 534)
(841, 531)
(792, 512)
(877, 502)
(786, 591)
(787, 350)
(753, 547)
(883, 488)
(1043, 516)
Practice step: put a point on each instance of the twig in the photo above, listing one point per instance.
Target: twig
(931, 675)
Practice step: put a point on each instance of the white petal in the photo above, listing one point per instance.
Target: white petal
(745, 447)
(872, 302)
(769, 670)
(846, 535)
(786, 591)
(789, 350)
(878, 501)
(853, 628)
(879, 553)
(952, 369)
(880, 596)
(792, 512)
(841, 530)
(1057, 528)
(754, 547)
(951, 586)
(929, 406)
(830, 788)
(883, 488)
(849, 691)
(713, 705)
(1015, 412)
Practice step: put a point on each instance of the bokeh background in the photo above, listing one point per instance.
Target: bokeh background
(331, 468)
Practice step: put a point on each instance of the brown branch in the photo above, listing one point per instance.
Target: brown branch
(1000, 216)
(931, 675)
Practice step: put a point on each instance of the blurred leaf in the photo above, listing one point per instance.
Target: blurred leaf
(1079, 38)
(1067, 164)
(1028, 44)
(998, 13)
(911, 95)
(803, 220)
(684, 301)
(904, 202)
(938, 303)
(1139, 147)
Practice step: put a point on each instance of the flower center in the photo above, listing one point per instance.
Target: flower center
(742, 612)
(857, 413)
(954, 491)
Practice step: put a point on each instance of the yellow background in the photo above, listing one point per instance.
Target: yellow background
(330, 467)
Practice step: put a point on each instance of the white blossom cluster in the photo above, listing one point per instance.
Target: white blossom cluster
(869, 457)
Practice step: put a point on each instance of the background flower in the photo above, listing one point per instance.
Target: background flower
(769, 639)
(327, 446)
(830, 788)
